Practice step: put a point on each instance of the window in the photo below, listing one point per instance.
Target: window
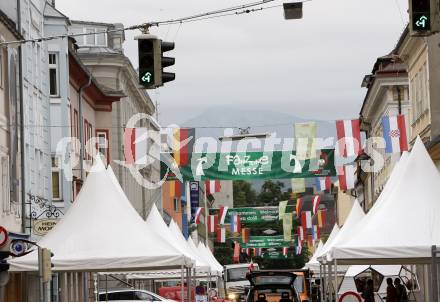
(103, 143)
(53, 75)
(90, 39)
(4, 167)
(56, 179)
(176, 205)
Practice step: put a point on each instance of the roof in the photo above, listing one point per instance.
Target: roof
(10, 25)
(51, 11)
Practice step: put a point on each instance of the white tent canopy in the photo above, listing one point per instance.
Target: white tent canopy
(356, 214)
(196, 252)
(406, 223)
(103, 232)
(204, 249)
(329, 241)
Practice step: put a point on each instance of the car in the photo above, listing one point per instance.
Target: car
(131, 295)
(272, 286)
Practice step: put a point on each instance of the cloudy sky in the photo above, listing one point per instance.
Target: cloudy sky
(310, 68)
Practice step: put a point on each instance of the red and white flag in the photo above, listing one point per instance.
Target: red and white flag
(323, 183)
(221, 235)
(236, 256)
(285, 251)
(212, 223)
(349, 137)
(346, 175)
(306, 219)
(212, 186)
(223, 213)
(235, 224)
(316, 202)
(198, 214)
(300, 233)
(136, 145)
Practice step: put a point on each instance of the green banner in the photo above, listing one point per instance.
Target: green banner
(266, 242)
(254, 215)
(273, 255)
(250, 165)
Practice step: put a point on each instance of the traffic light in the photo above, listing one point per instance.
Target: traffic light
(45, 264)
(152, 61)
(4, 265)
(424, 17)
(166, 61)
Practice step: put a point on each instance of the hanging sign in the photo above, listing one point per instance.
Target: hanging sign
(255, 215)
(273, 255)
(43, 226)
(194, 197)
(252, 165)
(266, 242)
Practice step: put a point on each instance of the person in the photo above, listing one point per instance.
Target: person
(391, 291)
(402, 295)
(368, 292)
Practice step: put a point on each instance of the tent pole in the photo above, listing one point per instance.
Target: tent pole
(434, 285)
(321, 281)
(336, 280)
(182, 284)
(188, 284)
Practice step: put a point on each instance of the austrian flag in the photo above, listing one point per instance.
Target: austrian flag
(212, 223)
(221, 235)
(349, 137)
(306, 220)
(212, 186)
(346, 177)
(223, 213)
(394, 133)
(199, 213)
(316, 202)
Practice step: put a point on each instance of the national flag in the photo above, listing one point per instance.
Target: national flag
(316, 233)
(285, 251)
(346, 177)
(245, 235)
(212, 223)
(236, 256)
(315, 203)
(175, 189)
(282, 209)
(321, 217)
(301, 233)
(394, 133)
(199, 213)
(323, 183)
(306, 219)
(136, 145)
(298, 248)
(305, 134)
(235, 224)
(349, 137)
(182, 145)
(298, 185)
(299, 204)
(223, 213)
(221, 235)
(212, 186)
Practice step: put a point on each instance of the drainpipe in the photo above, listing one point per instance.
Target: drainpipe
(81, 125)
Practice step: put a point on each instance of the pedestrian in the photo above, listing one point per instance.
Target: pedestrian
(391, 291)
(368, 292)
(402, 295)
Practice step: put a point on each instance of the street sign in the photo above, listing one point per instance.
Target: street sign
(3, 236)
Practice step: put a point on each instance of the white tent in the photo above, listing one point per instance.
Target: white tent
(407, 224)
(209, 255)
(356, 215)
(101, 232)
(198, 254)
(329, 241)
(313, 263)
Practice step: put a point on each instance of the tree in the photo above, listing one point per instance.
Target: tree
(244, 195)
(272, 193)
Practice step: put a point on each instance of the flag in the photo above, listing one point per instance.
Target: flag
(245, 235)
(182, 145)
(221, 235)
(175, 189)
(285, 251)
(349, 137)
(223, 213)
(394, 133)
(315, 203)
(346, 177)
(321, 217)
(299, 204)
(136, 145)
(212, 186)
(298, 248)
(306, 219)
(287, 227)
(282, 209)
(309, 241)
(316, 234)
(323, 183)
(258, 252)
(199, 213)
(236, 256)
(298, 185)
(305, 134)
(235, 224)
(301, 233)
(212, 223)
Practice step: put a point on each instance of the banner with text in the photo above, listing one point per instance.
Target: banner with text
(266, 242)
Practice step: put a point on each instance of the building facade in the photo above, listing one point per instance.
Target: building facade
(387, 95)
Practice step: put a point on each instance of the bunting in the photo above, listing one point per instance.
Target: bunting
(212, 223)
(315, 203)
(236, 256)
(316, 234)
(235, 224)
(306, 219)
(299, 204)
(221, 235)
(287, 227)
(175, 189)
(212, 186)
(298, 185)
(245, 235)
(282, 209)
(321, 217)
(323, 183)
(305, 134)
(298, 248)
(309, 241)
(136, 145)
(301, 233)
(182, 145)
(223, 213)
(346, 176)
(199, 213)
(349, 137)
